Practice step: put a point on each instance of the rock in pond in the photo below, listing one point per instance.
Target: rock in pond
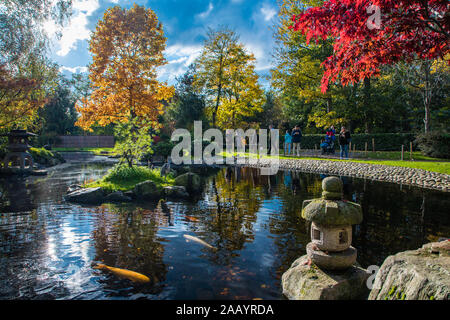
(117, 196)
(422, 274)
(309, 282)
(148, 190)
(86, 196)
(191, 181)
(176, 192)
(129, 194)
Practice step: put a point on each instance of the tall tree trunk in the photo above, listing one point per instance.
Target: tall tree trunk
(427, 97)
(328, 104)
(366, 103)
(219, 93)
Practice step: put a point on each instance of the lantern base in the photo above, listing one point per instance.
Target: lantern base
(332, 260)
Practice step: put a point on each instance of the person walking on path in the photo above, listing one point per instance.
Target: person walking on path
(344, 140)
(287, 143)
(296, 139)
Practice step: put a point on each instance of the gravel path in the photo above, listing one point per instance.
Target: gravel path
(401, 175)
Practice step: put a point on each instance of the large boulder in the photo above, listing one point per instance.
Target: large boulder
(305, 281)
(148, 190)
(421, 274)
(117, 196)
(176, 192)
(191, 181)
(86, 196)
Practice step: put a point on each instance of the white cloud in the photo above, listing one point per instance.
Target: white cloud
(179, 58)
(207, 12)
(74, 69)
(261, 55)
(268, 12)
(77, 29)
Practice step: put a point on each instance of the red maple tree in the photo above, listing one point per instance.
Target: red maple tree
(410, 29)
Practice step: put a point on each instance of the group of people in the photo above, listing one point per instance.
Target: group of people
(294, 137)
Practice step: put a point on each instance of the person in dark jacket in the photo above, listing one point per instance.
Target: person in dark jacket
(344, 141)
(296, 139)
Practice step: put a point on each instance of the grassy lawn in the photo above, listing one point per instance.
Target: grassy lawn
(397, 155)
(430, 164)
(124, 178)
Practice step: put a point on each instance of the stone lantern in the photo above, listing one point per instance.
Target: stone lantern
(331, 220)
(18, 146)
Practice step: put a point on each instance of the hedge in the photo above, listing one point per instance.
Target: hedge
(434, 144)
(383, 141)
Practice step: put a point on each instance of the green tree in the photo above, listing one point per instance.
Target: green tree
(59, 113)
(298, 72)
(21, 22)
(26, 75)
(188, 105)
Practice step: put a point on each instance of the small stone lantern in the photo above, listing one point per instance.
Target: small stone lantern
(331, 227)
(18, 146)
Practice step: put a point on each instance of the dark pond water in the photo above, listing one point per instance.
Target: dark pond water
(47, 246)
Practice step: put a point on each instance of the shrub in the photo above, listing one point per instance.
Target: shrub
(434, 144)
(123, 177)
(163, 148)
(46, 157)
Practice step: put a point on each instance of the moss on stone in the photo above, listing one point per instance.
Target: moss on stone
(348, 213)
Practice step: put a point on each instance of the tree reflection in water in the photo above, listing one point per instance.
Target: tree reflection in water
(126, 237)
(47, 245)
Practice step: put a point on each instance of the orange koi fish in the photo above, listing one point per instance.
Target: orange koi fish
(123, 273)
(193, 219)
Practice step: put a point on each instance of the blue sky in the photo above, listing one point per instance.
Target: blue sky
(185, 24)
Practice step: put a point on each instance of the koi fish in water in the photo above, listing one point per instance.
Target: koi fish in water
(199, 241)
(189, 218)
(123, 273)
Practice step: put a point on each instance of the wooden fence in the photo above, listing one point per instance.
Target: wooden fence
(84, 142)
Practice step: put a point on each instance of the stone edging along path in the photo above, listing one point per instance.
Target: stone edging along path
(402, 175)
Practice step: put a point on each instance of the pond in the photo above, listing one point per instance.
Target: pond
(48, 246)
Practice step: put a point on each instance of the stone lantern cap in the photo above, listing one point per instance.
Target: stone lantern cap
(331, 209)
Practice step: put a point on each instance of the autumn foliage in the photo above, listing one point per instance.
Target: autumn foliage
(409, 30)
(127, 47)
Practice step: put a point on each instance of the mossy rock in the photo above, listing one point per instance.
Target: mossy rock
(420, 274)
(86, 196)
(148, 190)
(308, 282)
(191, 181)
(45, 157)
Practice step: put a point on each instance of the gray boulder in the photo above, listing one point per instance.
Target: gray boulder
(117, 196)
(129, 194)
(176, 192)
(86, 196)
(422, 274)
(191, 181)
(308, 282)
(148, 190)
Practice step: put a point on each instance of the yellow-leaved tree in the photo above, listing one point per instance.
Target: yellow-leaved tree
(127, 48)
(226, 75)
